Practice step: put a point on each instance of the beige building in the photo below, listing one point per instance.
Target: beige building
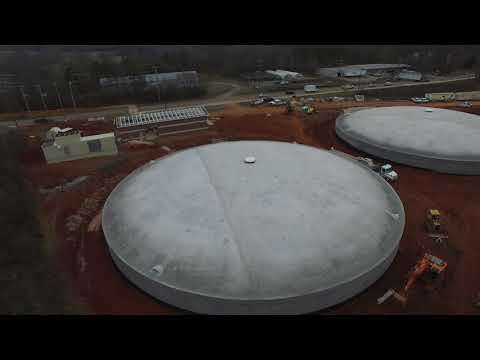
(68, 144)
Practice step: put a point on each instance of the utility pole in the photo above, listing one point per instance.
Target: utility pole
(41, 97)
(158, 92)
(71, 94)
(24, 98)
(60, 103)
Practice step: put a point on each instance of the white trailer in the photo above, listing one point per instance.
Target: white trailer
(470, 95)
(441, 96)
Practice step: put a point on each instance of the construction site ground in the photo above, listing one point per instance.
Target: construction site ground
(102, 287)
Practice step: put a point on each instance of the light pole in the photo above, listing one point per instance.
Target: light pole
(41, 97)
(71, 94)
(60, 103)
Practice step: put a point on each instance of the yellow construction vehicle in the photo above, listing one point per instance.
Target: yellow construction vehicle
(291, 105)
(432, 222)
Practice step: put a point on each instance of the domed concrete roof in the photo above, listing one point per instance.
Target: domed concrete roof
(431, 138)
(298, 230)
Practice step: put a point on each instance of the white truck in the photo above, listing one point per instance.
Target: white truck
(386, 171)
(310, 88)
(277, 102)
(420, 100)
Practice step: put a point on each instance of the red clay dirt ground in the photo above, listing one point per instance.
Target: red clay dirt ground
(106, 291)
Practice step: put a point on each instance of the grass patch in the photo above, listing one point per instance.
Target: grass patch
(216, 89)
(111, 167)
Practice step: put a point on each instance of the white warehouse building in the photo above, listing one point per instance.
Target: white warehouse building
(359, 70)
(285, 75)
(410, 75)
(184, 79)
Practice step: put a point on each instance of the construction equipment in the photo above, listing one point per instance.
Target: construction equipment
(307, 109)
(389, 294)
(369, 163)
(476, 300)
(289, 106)
(429, 268)
(434, 226)
(439, 238)
(432, 222)
(384, 297)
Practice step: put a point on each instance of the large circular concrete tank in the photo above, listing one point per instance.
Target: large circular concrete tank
(297, 230)
(430, 138)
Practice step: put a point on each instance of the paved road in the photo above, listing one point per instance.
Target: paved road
(281, 94)
(212, 103)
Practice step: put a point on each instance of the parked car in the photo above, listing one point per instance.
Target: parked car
(277, 102)
(347, 87)
(420, 100)
(290, 92)
(388, 83)
(257, 102)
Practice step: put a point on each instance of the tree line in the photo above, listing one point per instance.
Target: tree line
(30, 278)
(65, 74)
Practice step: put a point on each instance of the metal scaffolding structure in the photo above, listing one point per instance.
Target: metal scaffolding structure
(146, 118)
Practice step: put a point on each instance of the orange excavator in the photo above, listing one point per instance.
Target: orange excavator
(429, 267)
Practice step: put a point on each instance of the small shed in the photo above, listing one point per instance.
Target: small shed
(68, 144)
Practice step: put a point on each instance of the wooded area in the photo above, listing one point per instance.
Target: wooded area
(30, 279)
